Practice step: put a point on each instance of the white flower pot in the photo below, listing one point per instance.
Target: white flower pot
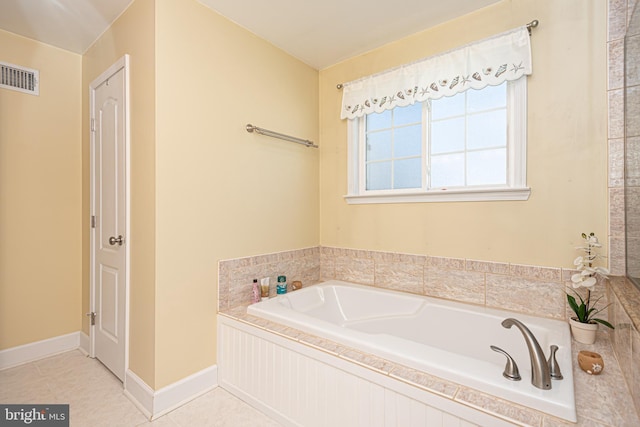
(584, 333)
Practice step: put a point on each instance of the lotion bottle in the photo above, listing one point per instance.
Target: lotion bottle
(264, 286)
(255, 297)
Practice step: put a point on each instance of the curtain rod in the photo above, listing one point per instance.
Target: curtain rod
(251, 128)
(530, 25)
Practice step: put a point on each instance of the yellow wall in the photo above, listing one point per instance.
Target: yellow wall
(132, 33)
(566, 164)
(222, 192)
(203, 189)
(40, 196)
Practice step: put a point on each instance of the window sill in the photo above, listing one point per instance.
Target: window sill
(462, 195)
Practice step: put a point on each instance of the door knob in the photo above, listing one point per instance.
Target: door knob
(113, 240)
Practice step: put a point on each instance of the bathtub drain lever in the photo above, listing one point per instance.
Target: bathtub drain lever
(511, 371)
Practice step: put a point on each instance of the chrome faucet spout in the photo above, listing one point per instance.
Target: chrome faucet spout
(540, 374)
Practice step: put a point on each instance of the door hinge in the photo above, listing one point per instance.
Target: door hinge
(93, 125)
(92, 317)
(93, 221)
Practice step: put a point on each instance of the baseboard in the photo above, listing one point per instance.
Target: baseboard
(177, 394)
(26, 353)
(139, 393)
(84, 343)
(157, 403)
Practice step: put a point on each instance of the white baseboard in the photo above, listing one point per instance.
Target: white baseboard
(84, 343)
(157, 403)
(177, 394)
(139, 393)
(19, 355)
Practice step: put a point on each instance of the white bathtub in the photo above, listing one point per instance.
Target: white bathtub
(443, 338)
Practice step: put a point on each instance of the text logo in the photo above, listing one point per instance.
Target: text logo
(34, 415)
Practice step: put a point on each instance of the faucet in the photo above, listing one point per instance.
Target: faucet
(540, 373)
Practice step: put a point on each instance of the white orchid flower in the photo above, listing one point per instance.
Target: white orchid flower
(586, 283)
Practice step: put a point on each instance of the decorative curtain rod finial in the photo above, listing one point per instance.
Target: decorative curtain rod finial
(339, 86)
(532, 24)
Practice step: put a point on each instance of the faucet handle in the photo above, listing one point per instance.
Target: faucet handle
(511, 371)
(554, 368)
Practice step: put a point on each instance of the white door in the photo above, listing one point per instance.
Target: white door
(109, 218)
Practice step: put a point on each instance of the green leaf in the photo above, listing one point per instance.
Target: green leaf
(604, 322)
(582, 317)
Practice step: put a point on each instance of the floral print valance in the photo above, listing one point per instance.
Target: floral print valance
(491, 61)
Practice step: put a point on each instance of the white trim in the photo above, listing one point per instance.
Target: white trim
(177, 394)
(463, 195)
(517, 96)
(154, 404)
(516, 186)
(26, 353)
(139, 393)
(84, 343)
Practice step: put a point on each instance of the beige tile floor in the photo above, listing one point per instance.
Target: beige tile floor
(96, 397)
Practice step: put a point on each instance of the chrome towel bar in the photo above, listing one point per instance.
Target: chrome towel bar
(251, 128)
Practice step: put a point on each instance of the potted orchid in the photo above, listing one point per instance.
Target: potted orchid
(584, 324)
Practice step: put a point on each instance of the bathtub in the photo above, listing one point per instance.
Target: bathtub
(447, 339)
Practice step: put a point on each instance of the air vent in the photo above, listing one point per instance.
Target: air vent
(19, 78)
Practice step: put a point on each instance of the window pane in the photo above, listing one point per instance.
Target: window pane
(379, 145)
(487, 98)
(407, 173)
(408, 114)
(487, 167)
(377, 121)
(407, 141)
(379, 176)
(487, 130)
(447, 136)
(447, 170)
(447, 106)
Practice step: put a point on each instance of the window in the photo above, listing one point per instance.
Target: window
(469, 146)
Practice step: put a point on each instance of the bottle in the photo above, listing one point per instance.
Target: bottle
(255, 297)
(282, 285)
(264, 286)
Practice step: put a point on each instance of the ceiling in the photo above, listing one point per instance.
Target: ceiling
(320, 33)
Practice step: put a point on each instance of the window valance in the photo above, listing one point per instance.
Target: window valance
(505, 56)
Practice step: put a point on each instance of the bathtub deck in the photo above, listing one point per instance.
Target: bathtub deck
(600, 400)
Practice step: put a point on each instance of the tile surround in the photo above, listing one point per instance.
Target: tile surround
(539, 291)
(235, 276)
(618, 16)
(471, 281)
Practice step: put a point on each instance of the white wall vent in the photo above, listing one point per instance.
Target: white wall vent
(19, 78)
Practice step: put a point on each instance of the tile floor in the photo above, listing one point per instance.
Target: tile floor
(96, 397)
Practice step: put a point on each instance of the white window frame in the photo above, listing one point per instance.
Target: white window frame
(515, 189)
